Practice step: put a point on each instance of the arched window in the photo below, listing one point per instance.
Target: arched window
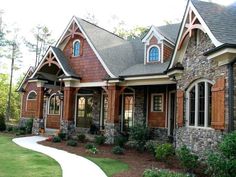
(154, 54)
(76, 48)
(199, 104)
(32, 95)
(54, 104)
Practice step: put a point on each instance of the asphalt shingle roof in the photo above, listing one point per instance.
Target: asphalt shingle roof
(220, 19)
(169, 31)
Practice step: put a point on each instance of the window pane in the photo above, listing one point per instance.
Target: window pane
(32, 96)
(201, 104)
(51, 105)
(128, 112)
(157, 103)
(76, 48)
(192, 107)
(57, 105)
(209, 104)
(154, 54)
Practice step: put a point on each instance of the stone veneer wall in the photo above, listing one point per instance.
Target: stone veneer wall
(196, 66)
(234, 70)
(140, 105)
(96, 109)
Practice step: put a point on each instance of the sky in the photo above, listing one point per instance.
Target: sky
(55, 14)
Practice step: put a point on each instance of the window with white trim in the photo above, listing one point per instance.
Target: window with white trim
(199, 104)
(32, 95)
(76, 48)
(54, 104)
(154, 54)
(157, 102)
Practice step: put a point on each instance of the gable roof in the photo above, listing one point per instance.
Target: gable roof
(27, 75)
(220, 19)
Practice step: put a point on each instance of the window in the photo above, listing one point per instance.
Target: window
(198, 111)
(76, 48)
(154, 54)
(128, 112)
(157, 103)
(54, 104)
(32, 95)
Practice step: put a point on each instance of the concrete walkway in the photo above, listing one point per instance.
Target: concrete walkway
(72, 165)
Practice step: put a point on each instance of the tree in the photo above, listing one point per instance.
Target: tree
(43, 39)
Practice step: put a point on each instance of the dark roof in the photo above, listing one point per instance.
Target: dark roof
(148, 69)
(118, 54)
(169, 31)
(220, 19)
(64, 62)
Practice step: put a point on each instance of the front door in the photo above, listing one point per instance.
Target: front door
(84, 111)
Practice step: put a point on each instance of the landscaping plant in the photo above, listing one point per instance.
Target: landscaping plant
(163, 173)
(120, 140)
(139, 134)
(118, 150)
(164, 151)
(81, 138)
(93, 150)
(28, 126)
(56, 139)
(72, 143)
(187, 159)
(62, 135)
(150, 146)
(89, 146)
(2, 123)
(222, 162)
(99, 140)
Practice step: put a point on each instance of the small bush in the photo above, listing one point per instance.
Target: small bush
(228, 146)
(118, 150)
(188, 160)
(50, 138)
(56, 139)
(72, 143)
(81, 138)
(89, 146)
(93, 150)
(164, 151)
(163, 173)
(120, 140)
(28, 126)
(99, 140)
(62, 135)
(9, 128)
(2, 123)
(139, 134)
(150, 146)
(22, 130)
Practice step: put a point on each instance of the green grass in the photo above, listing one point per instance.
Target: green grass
(110, 166)
(19, 162)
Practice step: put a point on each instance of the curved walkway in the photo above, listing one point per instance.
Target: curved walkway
(72, 165)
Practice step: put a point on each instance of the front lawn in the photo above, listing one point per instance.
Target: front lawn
(19, 162)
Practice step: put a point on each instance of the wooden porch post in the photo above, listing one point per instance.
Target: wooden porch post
(40, 96)
(113, 104)
(68, 106)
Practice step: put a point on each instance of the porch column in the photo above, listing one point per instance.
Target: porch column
(112, 124)
(67, 122)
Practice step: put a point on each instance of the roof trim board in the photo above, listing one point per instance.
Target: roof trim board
(31, 69)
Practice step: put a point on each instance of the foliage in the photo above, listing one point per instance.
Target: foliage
(118, 150)
(56, 139)
(62, 135)
(99, 140)
(81, 138)
(29, 125)
(222, 162)
(163, 173)
(139, 134)
(72, 143)
(164, 151)
(93, 150)
(22, 130)
(2, 123)
(110, 166)
(120, 140)
(187, 159)
(150, 146)
(9, 128)
(89, 146)
(17, 161)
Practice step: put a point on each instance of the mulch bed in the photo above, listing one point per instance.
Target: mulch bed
(137, 161)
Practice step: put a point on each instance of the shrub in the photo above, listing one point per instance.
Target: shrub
(188, 160)
(50, 138)
(163, 173)
(81, 138)
(72, 143)
(118, 150)
(22, 130)
(139, 134)
(164, 151)
(56, 139)
(28, 126)
(100, 139)
(89, 146)
(222, 162)
(150, 146)
(2, 123)
(62, 135)
(9, 128)
(120, 140)
(93, 150)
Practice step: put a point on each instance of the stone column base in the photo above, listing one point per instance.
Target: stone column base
(111, 130)
(35, 128)
(67, 127)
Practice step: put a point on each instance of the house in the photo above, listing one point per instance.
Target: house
(178, 79)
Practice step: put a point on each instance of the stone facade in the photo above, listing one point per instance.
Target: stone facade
(96, 109)
(111, 130)
(37, 124)
(140, 106)
(67, 127)
(159, 134)
(197, 66)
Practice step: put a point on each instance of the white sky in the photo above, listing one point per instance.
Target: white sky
(56, 14)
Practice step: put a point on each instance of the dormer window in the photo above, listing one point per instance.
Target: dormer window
(76, 48)
(154, 54)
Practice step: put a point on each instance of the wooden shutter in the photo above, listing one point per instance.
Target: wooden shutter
(218, 104)
(180, 107)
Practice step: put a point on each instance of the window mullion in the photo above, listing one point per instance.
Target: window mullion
(206, 105)
(188, 108)
(196, 104)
